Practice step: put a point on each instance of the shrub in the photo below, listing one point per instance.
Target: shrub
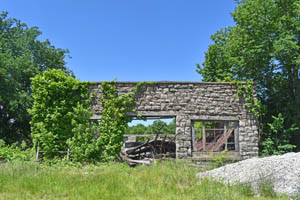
(278, 139)
(114, 121)
(15, 152)
(61, 117)
(219, 160)
(266, 187)
(61, 110)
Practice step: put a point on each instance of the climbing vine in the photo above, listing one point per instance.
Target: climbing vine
(61, 118)
(276, 138)
(246, 90)
(60, 115)
(114, 118)
(251, 102)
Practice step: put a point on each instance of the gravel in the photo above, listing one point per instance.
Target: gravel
(282, 171)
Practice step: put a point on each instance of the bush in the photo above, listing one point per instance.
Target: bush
(15, 152)
(219, 160)
(114, 121)
(266, 189)
(278, 139)
(60, 116)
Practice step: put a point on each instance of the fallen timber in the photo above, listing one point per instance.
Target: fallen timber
(148, 152)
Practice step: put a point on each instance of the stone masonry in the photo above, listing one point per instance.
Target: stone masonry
(188, 102)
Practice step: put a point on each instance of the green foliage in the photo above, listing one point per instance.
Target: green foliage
(160, 127)
(157, 127)
(61, 118)
(266, 189)
(171, 129)
(164, 180)
(199, 125)
(137, 129)
(61, 111)
(115, 118)
(219, 160)
(15, 152)
(84, 132)
(266, 186)
(22, 56)
(114, 121)
(278, 139)
(141, 84)
(262, 47)
(245, 189)
(216, 65)
(251, 102)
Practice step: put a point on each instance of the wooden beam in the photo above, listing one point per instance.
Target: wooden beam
(203, 136)
(225, 136)
(193, 136)
(37, 152)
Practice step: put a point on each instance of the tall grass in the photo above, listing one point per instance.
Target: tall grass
(113, 181)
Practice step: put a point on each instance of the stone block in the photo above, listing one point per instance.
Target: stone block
(213, 100)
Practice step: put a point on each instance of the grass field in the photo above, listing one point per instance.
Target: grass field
(115, 181)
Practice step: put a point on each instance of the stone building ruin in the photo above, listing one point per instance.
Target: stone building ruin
(226, 124)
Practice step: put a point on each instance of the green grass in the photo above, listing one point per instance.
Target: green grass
(114, 181)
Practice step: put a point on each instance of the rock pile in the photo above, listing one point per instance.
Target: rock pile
(282, 171)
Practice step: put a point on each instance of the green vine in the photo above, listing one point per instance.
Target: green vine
(140, 84)
(251, 102)
(61, 117)
(115, 118)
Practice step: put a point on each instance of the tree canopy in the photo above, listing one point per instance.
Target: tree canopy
(22, 56)
(263, 46)
(157, 127)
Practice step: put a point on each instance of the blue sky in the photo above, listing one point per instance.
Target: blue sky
(132, 40)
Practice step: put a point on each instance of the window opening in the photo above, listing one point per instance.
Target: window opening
(215, 136)
(149, 127)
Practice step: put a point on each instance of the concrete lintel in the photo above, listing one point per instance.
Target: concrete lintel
(154, 113)
(209, 117)
(95, 117)
(144, 114)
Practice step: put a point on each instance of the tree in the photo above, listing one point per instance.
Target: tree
(22, 56)
(171, 129)
(158, 127)
(137, 129)
(61, 114)
(278, 140)
(263, 46)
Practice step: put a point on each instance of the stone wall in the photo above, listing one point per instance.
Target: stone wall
(191, 101)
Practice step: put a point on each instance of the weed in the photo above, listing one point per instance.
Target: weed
(245, 189)
(266, 188)
(219, 160)
(164, 180)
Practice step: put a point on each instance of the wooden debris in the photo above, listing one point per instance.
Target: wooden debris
(2, 160)
(146, 153)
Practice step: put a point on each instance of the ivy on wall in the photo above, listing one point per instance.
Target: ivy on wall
(114, 118)
(114, 121)
(61, 116)
(61, 111)
(251, 102)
